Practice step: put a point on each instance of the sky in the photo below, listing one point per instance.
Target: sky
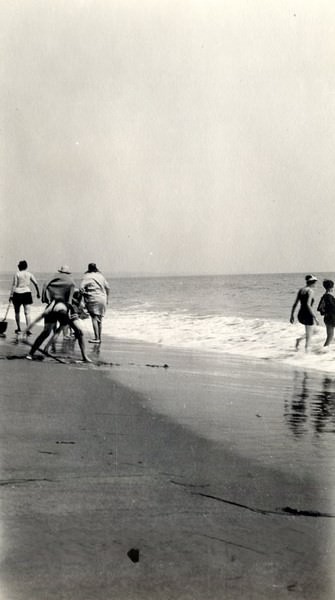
(168, 136)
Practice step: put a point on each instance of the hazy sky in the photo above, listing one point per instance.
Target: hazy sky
(168, 135)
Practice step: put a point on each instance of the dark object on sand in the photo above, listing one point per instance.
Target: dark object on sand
(3, 323)
(134, 555)
(306, 513)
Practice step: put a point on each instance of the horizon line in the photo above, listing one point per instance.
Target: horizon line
(139, 274)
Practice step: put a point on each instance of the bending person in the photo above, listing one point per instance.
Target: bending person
(306, 315)
(59, 312)
(79, 311)
(20, 293)
(95, 290)
(59, 291)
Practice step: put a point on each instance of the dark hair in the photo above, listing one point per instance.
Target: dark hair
(328, 284)
(22, 265)
(92, 268)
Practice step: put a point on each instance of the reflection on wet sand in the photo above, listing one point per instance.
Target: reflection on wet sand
(311, 409)
(68, 343)
(323, 408)
(95, 350)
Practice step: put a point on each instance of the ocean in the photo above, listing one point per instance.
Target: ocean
(246, 315)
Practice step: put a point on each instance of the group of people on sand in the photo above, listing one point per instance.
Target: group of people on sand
(306, 314)
(65, 304)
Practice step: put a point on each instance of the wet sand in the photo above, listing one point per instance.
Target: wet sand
(97, 461)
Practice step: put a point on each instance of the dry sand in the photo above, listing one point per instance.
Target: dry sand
(90, 471)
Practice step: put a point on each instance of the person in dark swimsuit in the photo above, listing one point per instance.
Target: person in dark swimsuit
(306, 315)
(327, 308)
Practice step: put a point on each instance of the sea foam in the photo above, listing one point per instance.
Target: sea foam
(254, 338)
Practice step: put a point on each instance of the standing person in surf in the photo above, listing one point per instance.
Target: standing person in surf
(95, 291)
(326, 308)
(306, 316)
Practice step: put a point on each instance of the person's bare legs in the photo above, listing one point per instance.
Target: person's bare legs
(37, 320)
(309, 332)
(75, 326)
(330, 334)
(17, 320)
(66, 332)
(48, 327)
(96, 328)
(99, 319)
(53, 339)
(298, 341)
(26, 308)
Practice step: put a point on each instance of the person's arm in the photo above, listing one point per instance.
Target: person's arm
(294, 307)
(81, 287)
(309, 304)
(71, 294)
(14, 284)
(33, 280)
(322, 305)
(45, 294)
(106, 289)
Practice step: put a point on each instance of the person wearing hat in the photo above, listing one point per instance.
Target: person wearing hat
(327, 309)
(59, 287)
(306, 315)
(58, 293)
(95, 290)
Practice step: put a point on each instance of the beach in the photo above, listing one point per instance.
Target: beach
(149, 474)
(167, 188)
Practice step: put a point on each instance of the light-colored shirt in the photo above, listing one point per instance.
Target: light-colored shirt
(94, 285)
(21, 282)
